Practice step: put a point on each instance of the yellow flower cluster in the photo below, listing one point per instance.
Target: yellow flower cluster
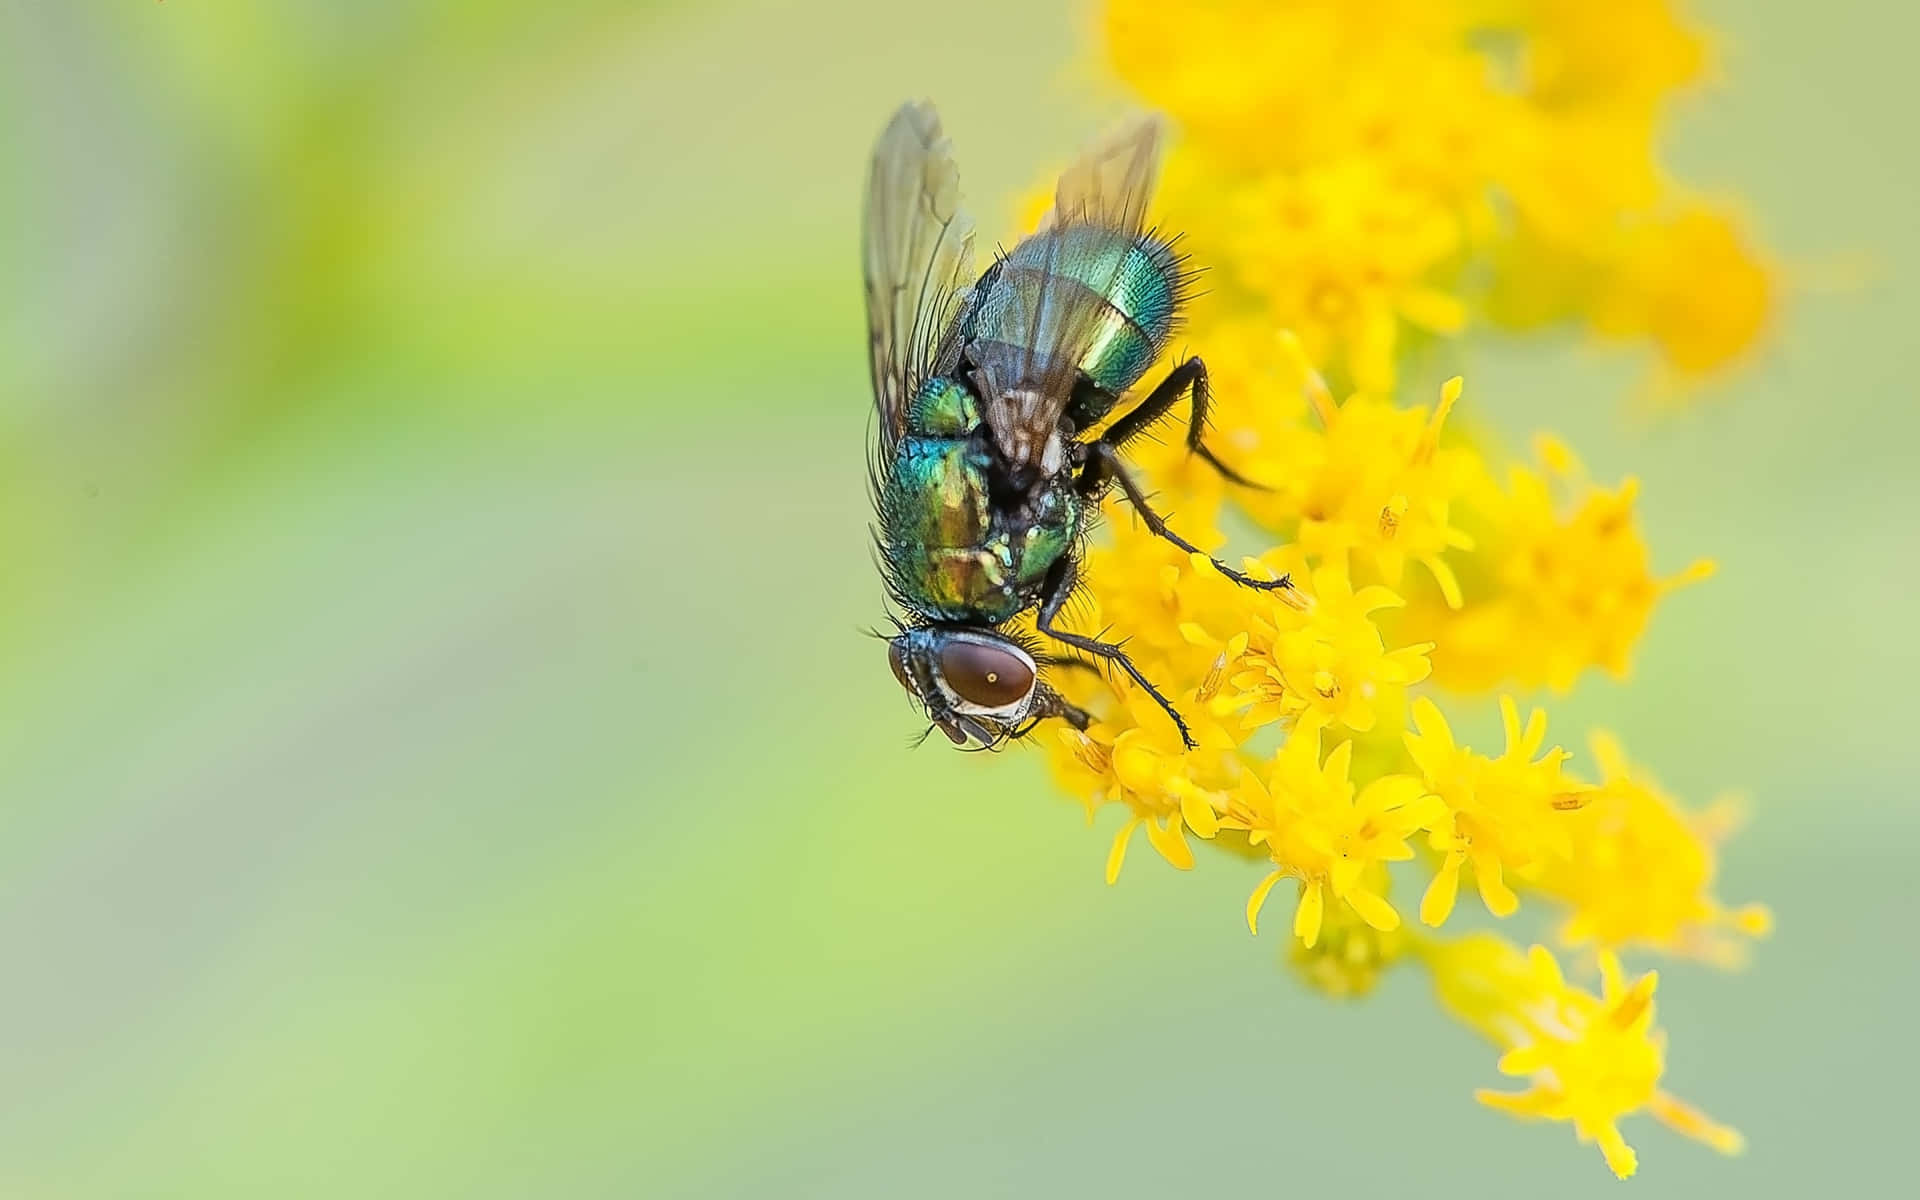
(1375, 173)
(1369, 176)
(1590, 1060)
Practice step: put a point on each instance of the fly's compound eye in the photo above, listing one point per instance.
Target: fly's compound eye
(896, 658)
(985, 674)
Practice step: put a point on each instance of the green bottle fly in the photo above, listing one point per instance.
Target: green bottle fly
(983, 479)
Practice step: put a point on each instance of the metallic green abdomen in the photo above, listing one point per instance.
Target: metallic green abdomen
(947, 552)
(1128, 289)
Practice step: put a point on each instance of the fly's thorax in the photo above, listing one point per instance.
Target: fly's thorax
(943, 407)
(951, 550)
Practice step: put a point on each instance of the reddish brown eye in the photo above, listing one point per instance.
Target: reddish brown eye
(897, 660)
(985, 674)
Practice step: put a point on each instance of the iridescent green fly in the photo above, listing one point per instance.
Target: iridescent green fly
(983, 476)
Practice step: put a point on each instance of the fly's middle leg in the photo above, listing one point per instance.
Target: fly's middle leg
(1189, 378)
(1104, 466)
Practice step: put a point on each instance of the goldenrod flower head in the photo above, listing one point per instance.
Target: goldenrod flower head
(1375, 484)
(1316, 659)
(1641, 870)
(1691, 283)
(1503, 814)
(1134, 758)
(1319, 829)
(1590, 1060)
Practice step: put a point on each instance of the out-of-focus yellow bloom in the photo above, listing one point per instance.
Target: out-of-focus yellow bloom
(1553, 588)
(1347, 161)
(1692, 284)
(1590, 1060)
(1505, 814)
(1319, 831)
(1350, 956)
(1640, 871)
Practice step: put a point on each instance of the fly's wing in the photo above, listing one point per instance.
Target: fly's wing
(917, 251)
(1112, 183)
(1054, 288)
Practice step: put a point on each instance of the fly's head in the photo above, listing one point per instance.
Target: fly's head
(976, 686)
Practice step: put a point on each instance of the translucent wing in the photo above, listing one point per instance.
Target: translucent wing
(1112, 183)
(917, 257)
(1051, 301)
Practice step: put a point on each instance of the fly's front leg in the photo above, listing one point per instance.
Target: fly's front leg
(1105, 465)
(1049, 703)
(1189, 378)
(1059, 586)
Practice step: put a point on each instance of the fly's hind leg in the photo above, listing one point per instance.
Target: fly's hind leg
(1104, 466)
(1189, 378)
(1059, 586)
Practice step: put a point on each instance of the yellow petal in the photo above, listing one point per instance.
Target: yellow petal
(1197, 812)
(1510, 721)
(1306, 916)
(1374, 598)
(1344, 874)
(1526, 1105)
(1544, 968)
(1389, 792)
(1536, 733)
(1524, 1061)
(1339, 762)
(1259, 898)
(1118, 854)
(1428, 719)
(1437, 904)
(1684, 1118)
(1443, 575)
(1621, 1159)
(1494, 892)
(1170, 840)
(1374, 910)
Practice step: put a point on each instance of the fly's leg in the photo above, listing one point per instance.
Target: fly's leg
(1190, 377)
(1059, 586)
(1049, 703)
(1105, 466)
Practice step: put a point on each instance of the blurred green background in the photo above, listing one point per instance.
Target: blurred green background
(438, 754)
